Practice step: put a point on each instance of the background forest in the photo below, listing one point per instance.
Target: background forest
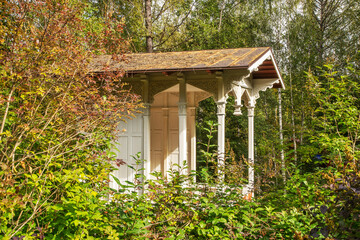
(57, 122)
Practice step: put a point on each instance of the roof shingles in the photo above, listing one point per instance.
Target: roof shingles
(238, 58)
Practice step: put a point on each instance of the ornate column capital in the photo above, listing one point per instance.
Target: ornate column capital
(182, 108)
(251, 106)
(221, 107)
(251, 111)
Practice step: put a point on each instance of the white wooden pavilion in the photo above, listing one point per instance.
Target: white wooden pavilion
(171, 85)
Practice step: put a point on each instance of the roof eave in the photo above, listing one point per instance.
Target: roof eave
(177, 70)
(268, 55)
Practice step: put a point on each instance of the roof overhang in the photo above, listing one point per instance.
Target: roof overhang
(259, 62)
(266, 68)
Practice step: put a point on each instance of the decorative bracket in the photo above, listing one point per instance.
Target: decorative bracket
(238, 92)
(262, 85)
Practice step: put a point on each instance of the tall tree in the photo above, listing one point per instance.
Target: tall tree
(148, 26)
(282, 157)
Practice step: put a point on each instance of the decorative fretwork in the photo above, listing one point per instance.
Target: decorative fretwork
(156, 87)
(208, 85)
(262, 85)
(199, 96)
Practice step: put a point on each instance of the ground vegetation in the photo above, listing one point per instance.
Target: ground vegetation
(57, 122)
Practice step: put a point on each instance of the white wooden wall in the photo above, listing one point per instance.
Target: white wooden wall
(129, 143)
(165, 130)
(164, 136)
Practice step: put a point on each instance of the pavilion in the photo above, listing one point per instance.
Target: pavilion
(171, 85)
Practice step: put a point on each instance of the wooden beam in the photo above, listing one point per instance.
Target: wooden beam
(277, 85)
(167, 73)
(265, 76)
(265, 71)
(267, 63)
(268, 67)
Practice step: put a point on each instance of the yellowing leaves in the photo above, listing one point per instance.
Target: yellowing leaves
(44, 157)
(6, 133)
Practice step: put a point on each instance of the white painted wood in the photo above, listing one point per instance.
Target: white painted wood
(238, 92)
(168, 134)
(192, 133)
(165, 128)
(128, 144)
(146, 141)
(173, 157)
(221, 138)
(165, 139)
(221, 103)
(251, 109)
(157, 143)
(146, 126)
(182, 120)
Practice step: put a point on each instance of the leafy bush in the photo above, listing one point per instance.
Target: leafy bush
(56, 119)
(336, 96)
(56, 122)
(321, 204)
(177, 208)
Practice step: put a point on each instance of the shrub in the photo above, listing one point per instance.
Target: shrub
(56, 120)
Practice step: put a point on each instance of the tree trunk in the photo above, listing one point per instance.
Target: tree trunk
(148, 26)
(302, 117)
(293, 120)
(282, 158)
(222, 6)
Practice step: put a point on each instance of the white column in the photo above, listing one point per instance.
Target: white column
(182, 120)
(221, 103)
(193, 139)
(221, 138)
(146, 127)
(251, 109)
(146, 151)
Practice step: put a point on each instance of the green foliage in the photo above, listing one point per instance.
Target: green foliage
(168, 20)
(56, 120)
(225, 24)
(336, 95)
(174, 207)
